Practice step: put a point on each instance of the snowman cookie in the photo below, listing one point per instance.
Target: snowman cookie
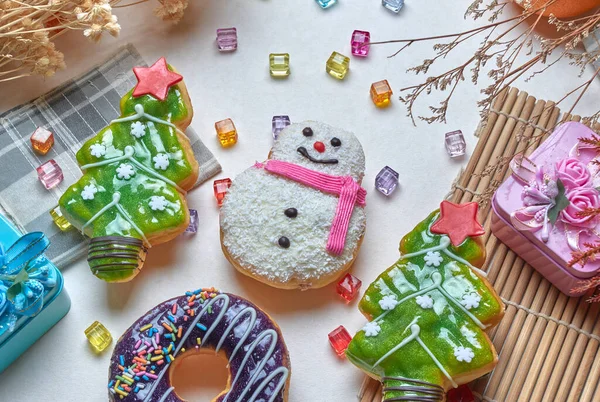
(298, 219)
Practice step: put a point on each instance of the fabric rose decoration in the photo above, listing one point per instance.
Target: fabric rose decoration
(580, 199)
(573, 174)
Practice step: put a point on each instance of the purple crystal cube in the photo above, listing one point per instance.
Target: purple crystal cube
(455, 143)
(279, 123)
(193, 226)
(386, 181)
(360, 43)
(50, 174)
(227, 39)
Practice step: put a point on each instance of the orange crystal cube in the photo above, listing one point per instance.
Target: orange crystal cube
(226, 133)
(381, 93)
(42, 140)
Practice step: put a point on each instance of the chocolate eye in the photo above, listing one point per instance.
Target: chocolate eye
(291, 212)
(284, 242)
(307, 132)
(336, 142)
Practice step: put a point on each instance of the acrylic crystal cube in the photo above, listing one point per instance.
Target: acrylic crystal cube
(339, 339)
(50, 174)
(461, 394)
(360, 43)
(279, 65)
(326, 3)
(381, 93)
(227, 39)
(348, 287)
(393, 5)
(386, 181)
(455, 143)
(42, 140)
(59, 220)
(193, 226)
(220, 187)
(338, 65)
(279, 123)
(98, 336)
(226, 133)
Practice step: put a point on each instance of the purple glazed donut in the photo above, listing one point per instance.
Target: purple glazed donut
(259, 364)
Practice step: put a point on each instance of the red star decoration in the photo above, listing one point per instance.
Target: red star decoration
(458, 221)
(155, 80)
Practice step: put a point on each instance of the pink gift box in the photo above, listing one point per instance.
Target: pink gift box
(523, 203)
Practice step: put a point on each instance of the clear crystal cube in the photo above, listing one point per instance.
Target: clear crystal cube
(455, 143)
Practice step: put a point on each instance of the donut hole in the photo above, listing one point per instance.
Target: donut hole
(199, 375)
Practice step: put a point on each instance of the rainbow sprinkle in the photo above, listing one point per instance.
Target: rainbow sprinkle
(156, 345)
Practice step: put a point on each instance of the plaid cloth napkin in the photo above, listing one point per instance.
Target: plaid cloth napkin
(74, 112)
(592, 44)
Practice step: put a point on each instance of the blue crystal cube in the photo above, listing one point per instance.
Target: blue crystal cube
(326, 3)
(393, 5)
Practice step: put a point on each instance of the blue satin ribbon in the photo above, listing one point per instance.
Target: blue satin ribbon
(27, 254)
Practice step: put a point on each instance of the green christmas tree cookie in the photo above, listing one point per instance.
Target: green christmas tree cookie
(428, 312)
(136, 174)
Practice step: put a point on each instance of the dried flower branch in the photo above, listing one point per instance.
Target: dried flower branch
(500, 55)
(27, 30)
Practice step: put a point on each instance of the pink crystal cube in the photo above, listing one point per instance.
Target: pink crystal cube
(339, 339)
(360, 43)
(221, 187)
(193, 226)
(227, 39)
(348, 287)
(50, 174)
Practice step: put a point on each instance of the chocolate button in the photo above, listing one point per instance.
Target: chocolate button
(284, 242)
(291, 212)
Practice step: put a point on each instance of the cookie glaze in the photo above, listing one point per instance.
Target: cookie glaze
(203, 319)
(136, 173)
(427, 315)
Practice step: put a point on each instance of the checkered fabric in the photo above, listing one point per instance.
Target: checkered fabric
(74, 112)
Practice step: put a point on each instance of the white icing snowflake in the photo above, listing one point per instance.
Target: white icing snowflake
(470, 300)
(98, 150)
(371, 328)
(464, 354)
(161, 161)
(138, 129)
(388, 302)
(88, 192)
(433, 258)
(424, 301)
(158, 203)
(125, 171)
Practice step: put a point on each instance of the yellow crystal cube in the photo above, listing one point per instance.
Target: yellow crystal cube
(98, 336)
(338, 65)
(381, 93)
(59, 220)
(226, 133)
(279, 65)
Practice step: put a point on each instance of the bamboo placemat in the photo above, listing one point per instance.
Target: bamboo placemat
(547, 342)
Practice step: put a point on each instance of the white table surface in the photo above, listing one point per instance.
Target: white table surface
(60, 366)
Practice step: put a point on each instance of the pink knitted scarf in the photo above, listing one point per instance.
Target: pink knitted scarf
(348, 191)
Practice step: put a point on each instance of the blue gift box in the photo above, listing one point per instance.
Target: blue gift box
(32, 298)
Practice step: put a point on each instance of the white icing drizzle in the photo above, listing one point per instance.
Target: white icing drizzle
(251, 312)
(436, 277)
(115, 203)
(140, 112)
(128, 155)
(415, 330)
(166, 394)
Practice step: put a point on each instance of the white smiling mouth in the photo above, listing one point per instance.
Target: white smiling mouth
(304, 152)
